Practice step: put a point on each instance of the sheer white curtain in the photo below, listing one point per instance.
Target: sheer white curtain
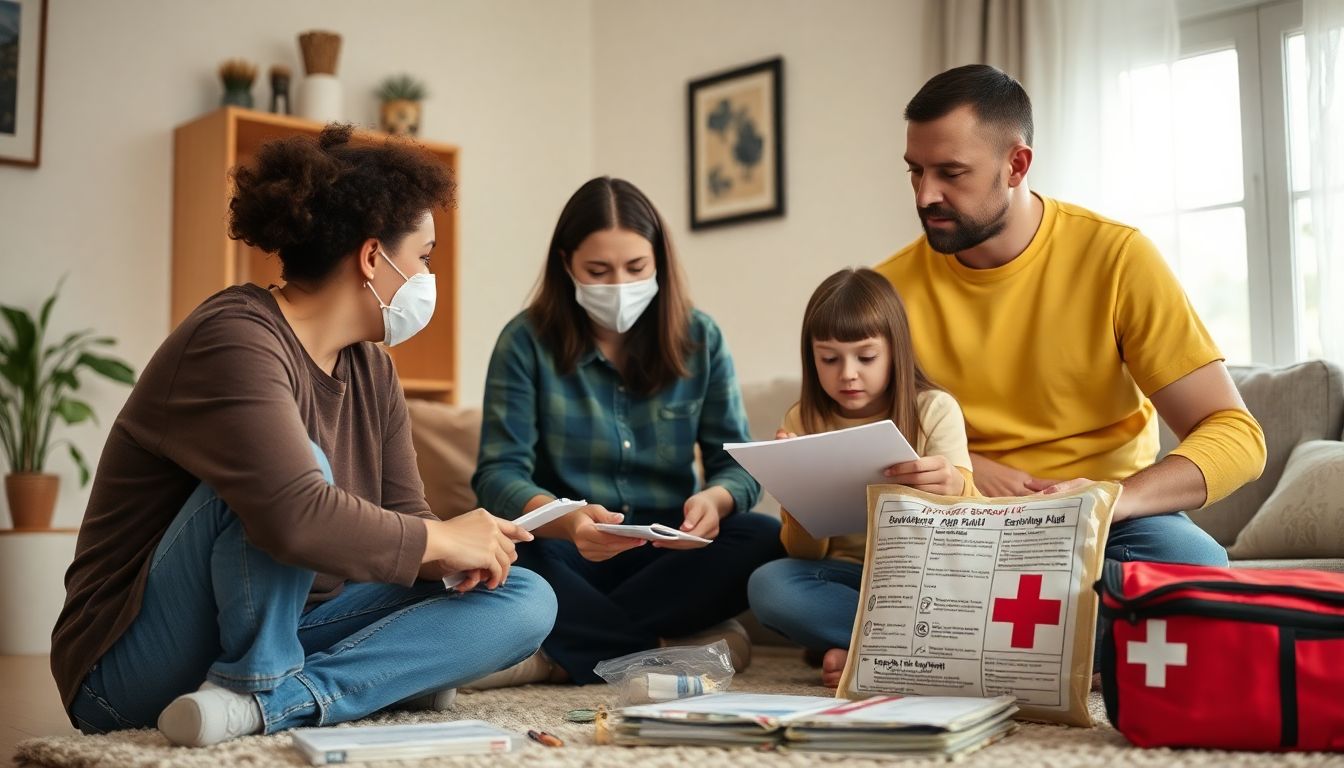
(1323, 28)
(1075, 57)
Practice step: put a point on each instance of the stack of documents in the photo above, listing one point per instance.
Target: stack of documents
(905, 725)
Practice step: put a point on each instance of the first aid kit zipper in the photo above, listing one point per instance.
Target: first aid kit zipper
(1143, 606)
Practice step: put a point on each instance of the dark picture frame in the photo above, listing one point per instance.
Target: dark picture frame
(735, 137)
(23, 38)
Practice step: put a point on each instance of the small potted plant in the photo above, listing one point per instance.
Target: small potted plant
(37, 385)
(401, 96)
(237, 76)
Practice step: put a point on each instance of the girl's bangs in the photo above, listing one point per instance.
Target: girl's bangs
(848, 318)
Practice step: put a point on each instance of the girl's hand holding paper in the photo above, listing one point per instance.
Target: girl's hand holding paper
(931, 474)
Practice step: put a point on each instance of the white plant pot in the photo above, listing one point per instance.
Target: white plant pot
(321, 98)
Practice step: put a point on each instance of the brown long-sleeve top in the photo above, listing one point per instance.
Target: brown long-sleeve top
(231, 399)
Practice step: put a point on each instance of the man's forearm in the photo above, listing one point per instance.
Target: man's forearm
(1173, 484)
(1220, 454)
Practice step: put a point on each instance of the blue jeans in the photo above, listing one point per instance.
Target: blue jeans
(813, 602)
(216, 608)
(625, 604)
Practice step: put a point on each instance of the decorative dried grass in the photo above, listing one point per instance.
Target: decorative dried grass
(320, 51)
(237, 73)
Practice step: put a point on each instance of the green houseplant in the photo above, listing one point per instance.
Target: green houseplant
(37, 385)
(401, 96)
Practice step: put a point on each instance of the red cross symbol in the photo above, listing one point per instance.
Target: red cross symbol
(1026, 610)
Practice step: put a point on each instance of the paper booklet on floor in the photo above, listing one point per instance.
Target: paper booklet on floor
(821, 479)
(914, 725)
(323, 746)
(553, 510)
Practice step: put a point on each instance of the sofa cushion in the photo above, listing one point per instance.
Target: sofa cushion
(1293, 404)
(1304, 517)
(446, 439)
(766, 403)
(1335, 564)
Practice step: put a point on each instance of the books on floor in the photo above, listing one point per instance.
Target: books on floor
(907, 725)
(323, 746)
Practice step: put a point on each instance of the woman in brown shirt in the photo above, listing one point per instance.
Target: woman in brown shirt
(257, 521)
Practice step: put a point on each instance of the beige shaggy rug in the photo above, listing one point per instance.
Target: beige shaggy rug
(774, 671)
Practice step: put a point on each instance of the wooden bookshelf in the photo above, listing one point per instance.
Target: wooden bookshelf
(205, 260)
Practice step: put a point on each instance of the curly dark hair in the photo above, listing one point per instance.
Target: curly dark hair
(314, 201)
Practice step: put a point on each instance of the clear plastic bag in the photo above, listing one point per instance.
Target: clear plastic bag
(664, 674)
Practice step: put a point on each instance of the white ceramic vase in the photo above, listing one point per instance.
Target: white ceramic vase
(320, 98)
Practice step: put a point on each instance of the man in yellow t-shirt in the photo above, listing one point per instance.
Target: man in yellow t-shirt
(1062, 334)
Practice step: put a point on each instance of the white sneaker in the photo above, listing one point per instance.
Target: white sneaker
(441, 700)
(731, 632)
(536, 668)
(210, 715)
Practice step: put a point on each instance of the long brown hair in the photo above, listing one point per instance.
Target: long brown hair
(853, 305)
(659, 343)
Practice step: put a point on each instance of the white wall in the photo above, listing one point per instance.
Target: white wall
(849, 68)
(540, 96)
(510, 83)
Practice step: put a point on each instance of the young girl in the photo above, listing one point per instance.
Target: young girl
(859, 367)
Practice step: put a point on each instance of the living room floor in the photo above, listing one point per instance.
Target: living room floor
(29, 704)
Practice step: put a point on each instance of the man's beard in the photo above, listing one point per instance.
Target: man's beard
(965, 233)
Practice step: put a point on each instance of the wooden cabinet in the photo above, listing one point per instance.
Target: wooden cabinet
(205, 260)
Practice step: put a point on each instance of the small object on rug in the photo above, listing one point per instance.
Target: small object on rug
(545, 739)
(581, 715)
(667, 674)
(602, 728)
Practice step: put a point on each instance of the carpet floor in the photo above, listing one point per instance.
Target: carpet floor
(543, 707)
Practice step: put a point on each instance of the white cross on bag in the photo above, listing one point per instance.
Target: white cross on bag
(1156, 654)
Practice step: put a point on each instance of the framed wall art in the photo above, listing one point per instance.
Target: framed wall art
(736, 142)
(23, 28)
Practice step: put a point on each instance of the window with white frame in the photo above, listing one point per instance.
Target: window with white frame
(1223, 139)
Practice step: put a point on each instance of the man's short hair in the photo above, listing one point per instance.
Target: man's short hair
(996, 98)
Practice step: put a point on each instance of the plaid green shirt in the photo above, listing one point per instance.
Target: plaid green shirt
(582, 436)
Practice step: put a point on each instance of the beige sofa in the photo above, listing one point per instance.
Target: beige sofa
(1295, 405)
(1293, 516)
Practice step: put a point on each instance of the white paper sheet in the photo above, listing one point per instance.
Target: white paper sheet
(547, 512)
(822, 479)
(655, 532)
(553, 510)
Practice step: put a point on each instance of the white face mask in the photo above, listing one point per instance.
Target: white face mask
(616, 307)
(411, 308)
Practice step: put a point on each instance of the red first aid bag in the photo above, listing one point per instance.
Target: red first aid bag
(1222, 658)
